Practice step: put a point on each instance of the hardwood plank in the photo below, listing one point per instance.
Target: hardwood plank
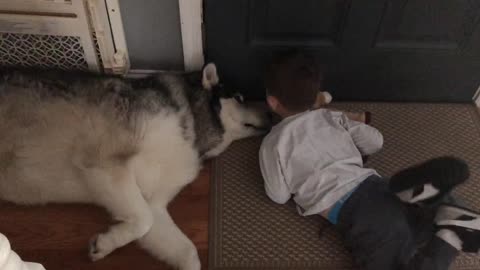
(57, 235)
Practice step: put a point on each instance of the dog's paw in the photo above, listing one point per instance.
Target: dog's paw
(99, 247)
(191, 261)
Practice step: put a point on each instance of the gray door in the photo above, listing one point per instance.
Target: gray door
(384, 50)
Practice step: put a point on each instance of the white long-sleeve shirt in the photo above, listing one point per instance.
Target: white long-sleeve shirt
(316, 156)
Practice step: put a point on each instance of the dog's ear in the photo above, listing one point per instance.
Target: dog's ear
(210, 76)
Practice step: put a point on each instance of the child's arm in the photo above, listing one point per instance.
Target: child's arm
(324, 98)
(275, 185)
(367, 138)
(363, 117)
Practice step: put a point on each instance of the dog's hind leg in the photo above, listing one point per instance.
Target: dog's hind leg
(117, 191)
(166, 242)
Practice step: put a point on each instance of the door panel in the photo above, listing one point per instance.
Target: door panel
(425, 24)
(384, 50)
(276, 24)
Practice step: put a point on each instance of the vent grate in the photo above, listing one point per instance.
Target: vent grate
(97, 49)
(44, 51)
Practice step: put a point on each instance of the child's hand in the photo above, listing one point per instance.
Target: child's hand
(364, 117)
(324, 98)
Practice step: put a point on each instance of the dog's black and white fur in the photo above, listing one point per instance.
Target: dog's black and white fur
(129, 145)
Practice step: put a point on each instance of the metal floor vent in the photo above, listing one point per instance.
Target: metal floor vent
(63, 34)
(46, 51)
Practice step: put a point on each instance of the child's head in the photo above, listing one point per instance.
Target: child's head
(293, 81)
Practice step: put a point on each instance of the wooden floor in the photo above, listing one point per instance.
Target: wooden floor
(57, 235)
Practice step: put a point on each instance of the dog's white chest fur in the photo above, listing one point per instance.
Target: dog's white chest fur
(166, 160)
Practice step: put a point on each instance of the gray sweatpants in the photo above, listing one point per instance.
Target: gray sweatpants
(384, 233)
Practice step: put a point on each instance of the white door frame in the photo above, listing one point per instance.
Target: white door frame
(191, 22)
(476, 98)
(191, 26)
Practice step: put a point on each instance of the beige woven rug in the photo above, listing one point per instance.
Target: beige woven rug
(248, 231)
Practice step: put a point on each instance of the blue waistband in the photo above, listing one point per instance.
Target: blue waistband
(335, 210)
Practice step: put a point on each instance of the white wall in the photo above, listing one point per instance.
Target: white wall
(152, 30)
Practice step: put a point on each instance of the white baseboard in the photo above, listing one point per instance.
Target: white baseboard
(140, 73)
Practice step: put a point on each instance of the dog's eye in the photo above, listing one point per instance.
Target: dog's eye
(238, 98)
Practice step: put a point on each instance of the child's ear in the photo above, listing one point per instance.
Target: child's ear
(273, 103)
(210, 76)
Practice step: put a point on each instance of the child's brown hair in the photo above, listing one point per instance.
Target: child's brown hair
(295, 79)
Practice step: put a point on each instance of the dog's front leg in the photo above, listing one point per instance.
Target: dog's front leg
(166, 242)
(117, 190)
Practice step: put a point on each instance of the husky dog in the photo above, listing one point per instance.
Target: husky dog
(129, 145)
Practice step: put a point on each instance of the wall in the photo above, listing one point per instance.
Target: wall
(152, 30)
